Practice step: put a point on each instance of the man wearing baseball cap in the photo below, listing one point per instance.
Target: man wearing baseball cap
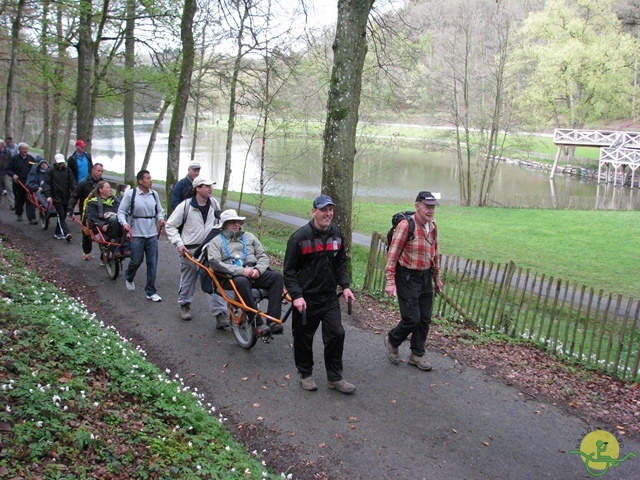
(411, 270)
(187, 228)
(80, 162)
(315, 263)
(183, 187)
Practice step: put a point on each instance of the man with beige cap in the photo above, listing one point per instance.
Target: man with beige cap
(191, 221)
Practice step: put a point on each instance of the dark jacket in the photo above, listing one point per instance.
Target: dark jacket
(58, 184)
(20, 166)
(94, 206)
(72, 163)
(180, 191)
(5, 156)
(35, 179)
(81, 192)
(315, 264)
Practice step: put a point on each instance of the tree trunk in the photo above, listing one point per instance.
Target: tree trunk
(46, 93)
(201, 69)
(263, 147)
(56, 114)
(129, 82)
(232, 107)
(182, 94)
(16, 26)
(85, 73)
(349, 51)
(153, 135)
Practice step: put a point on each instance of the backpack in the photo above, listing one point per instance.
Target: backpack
(395, 220)
(133, 203)
(201, 254)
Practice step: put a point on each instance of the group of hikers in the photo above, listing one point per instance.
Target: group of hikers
(315, 262)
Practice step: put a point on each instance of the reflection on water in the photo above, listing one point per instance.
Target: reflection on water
(294, 169)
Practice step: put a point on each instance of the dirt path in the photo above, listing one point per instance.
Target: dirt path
(455, 423)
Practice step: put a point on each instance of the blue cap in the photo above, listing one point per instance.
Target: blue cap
(322, 201)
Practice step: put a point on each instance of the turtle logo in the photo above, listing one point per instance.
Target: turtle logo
(600, 451)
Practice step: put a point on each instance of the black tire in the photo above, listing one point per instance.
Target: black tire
(245, 333)
(43, 219)
(113, 266)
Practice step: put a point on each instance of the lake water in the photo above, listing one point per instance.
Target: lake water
(390, 175)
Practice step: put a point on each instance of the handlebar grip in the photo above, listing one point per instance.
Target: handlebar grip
(349, 306)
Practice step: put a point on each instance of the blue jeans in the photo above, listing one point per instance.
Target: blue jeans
(144, 247)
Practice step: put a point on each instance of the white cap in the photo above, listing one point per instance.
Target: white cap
(194, 164)
(202, 181)
(59, 158)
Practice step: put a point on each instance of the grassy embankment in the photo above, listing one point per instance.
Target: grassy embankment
(595, 248)
(411, 135)
(78, 401)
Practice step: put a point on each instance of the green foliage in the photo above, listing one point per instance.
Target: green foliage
(578, 62)
(79, 397)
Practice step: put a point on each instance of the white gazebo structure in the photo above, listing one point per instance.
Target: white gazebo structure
(618, 150)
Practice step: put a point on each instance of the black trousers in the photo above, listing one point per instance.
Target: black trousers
(327, 313)
(270, 280)
(415, 296)
(61, 221)
(21, 200)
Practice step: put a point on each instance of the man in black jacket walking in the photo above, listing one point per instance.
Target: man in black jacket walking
(18, 168)
(59, 182)
(80, 194)
(315, 263)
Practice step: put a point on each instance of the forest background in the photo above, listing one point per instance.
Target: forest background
(492, 71)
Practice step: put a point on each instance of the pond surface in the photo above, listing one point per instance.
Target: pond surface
(390, 175)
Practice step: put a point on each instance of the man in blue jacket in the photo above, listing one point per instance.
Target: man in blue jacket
(182, 188)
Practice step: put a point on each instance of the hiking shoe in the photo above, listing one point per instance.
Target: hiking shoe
(18, 218)
(222, 320)
(68, 237)
(185, 312)
(154, 298)
(308, 384)
(59, 237)
(342, 386)
(263, 331)
(276, 328)
(420, 362)
(33, 221)
(130, 285)
(392, 352)
(86, 256)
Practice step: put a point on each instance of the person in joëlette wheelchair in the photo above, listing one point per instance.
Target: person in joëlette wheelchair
(101, 212)
(240, 255)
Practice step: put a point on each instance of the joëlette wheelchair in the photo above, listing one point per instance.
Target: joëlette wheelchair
(44, 212)
(111, 250)
(246, 332)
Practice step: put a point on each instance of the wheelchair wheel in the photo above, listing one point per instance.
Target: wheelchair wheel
(112, 265)
(245, 333)
(43, 219)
